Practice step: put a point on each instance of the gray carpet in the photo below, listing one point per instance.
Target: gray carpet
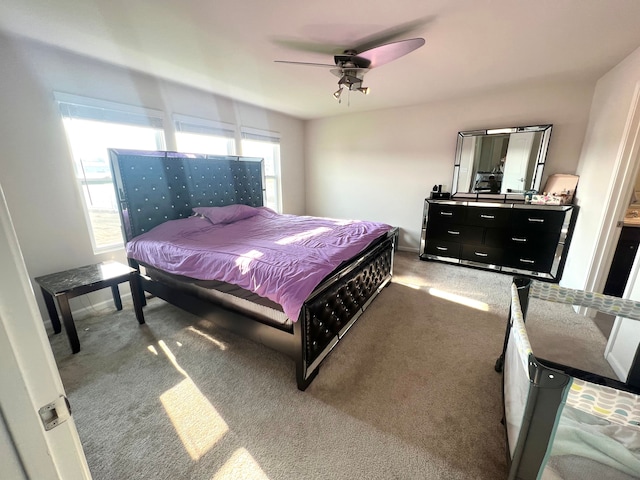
(409, 393)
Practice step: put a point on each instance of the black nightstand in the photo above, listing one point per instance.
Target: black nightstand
(78, 281)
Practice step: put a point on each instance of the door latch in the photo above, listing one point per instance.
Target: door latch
(55, 413)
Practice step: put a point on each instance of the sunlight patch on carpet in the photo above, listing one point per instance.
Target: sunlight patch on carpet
(241, 465)
(197, 422)
(217, 343)
(411, 282)
(466, 301)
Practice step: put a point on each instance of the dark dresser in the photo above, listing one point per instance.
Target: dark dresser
(531, 240)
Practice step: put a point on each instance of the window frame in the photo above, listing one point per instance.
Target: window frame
(71, 106)
(266, 136)
(206, 127)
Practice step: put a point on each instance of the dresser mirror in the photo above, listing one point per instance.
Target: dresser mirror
(500, 162)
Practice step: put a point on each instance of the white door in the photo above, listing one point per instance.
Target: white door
(625, 335)
(516, 162)
(29, 378)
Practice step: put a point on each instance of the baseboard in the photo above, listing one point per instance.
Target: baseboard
(104, 305)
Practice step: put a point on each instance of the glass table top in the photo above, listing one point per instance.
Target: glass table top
(67, 280)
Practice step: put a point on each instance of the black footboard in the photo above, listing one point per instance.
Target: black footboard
(336, 304)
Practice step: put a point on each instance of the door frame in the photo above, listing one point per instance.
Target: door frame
(29, 376)
(627, 168)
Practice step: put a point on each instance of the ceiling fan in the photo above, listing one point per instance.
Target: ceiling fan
(351, 65)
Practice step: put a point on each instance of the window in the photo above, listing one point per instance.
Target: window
(92, 127)
(198, 135)
(259, 143)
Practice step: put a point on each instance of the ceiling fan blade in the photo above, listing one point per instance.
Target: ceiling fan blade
(312, 47)
(391, 51)
(391, 34)
(308, 64)
(330, 48)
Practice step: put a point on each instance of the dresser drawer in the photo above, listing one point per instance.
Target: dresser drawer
(496, 237)
(527, 259)
(453, 232)
(538, 219)
(490, 217)
(442, 248)
(481, 253)
(528, 239)
(439, 212)
(531, 239)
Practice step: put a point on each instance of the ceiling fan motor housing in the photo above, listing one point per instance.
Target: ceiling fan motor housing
(350, 59)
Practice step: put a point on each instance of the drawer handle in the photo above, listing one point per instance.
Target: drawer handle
(480, 254)
(453, 232)
(524, 260)
(516, 239)
(536, 220)
(448, 214)
(490, 217)
(444, 249)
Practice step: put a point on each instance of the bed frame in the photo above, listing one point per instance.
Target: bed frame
(153, 187)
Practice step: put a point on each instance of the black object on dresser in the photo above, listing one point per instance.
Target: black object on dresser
(531, 240)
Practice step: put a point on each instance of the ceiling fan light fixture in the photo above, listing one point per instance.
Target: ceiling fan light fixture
(337, 93)
(364, 90)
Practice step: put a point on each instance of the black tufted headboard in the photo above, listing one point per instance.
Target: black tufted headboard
(153, 187)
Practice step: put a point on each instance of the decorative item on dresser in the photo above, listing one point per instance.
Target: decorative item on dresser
(530, 240)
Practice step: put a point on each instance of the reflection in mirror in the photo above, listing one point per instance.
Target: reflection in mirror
(504, 161)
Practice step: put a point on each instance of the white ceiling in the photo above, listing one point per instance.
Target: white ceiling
(229, 46)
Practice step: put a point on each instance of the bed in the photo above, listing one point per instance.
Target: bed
(562, 422)
(183, 196)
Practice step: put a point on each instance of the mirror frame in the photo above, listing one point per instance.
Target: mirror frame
(537, 171)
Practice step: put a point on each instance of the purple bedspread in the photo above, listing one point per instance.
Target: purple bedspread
(280, 257)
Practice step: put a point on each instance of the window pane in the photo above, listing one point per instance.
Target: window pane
(270, 152)
(272, 198)
(266, 150)
(205, 144)
(89, 141)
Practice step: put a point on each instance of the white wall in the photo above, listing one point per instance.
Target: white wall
(599, 172)
(381, 165)
(35, 164)
(597, 167)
